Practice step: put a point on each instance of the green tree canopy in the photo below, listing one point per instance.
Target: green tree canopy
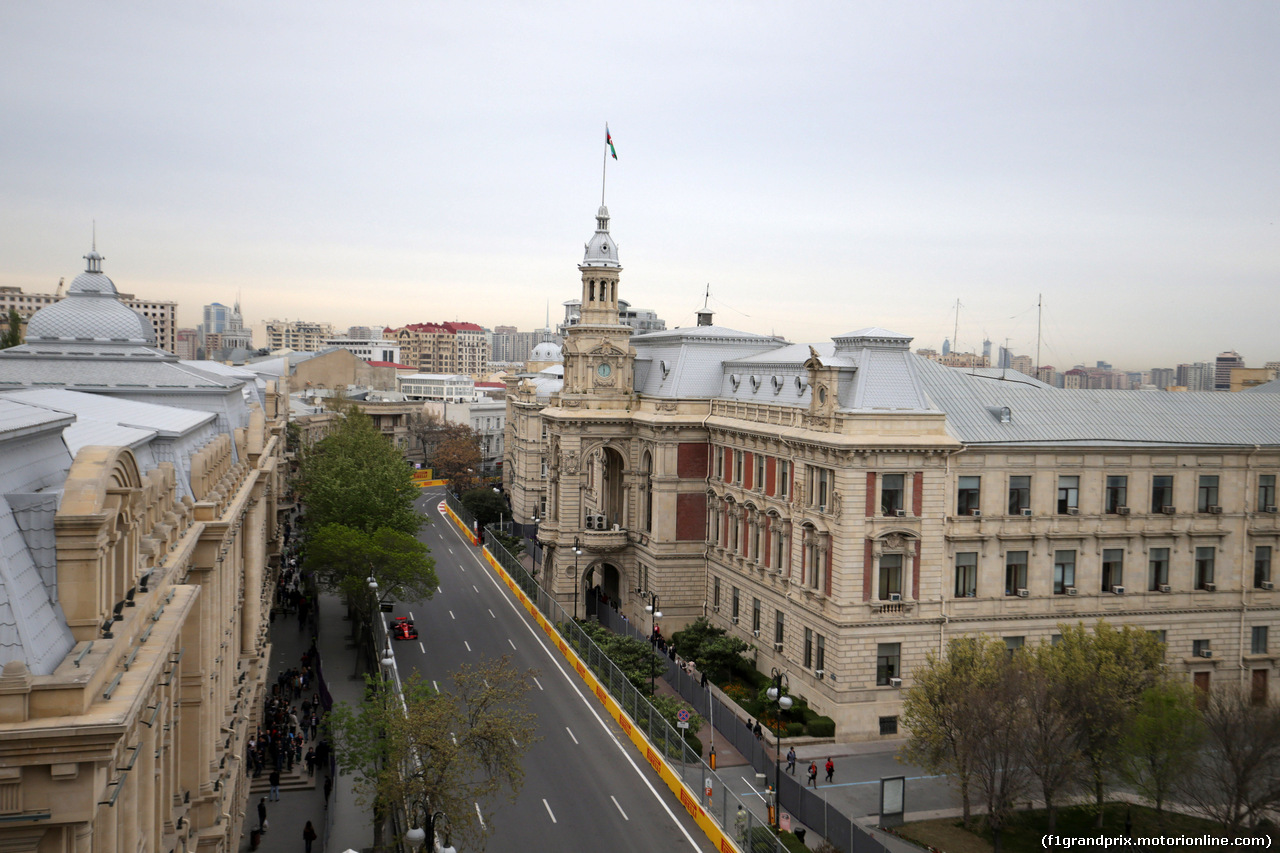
(354, 477)
(454, 751)
(1162, 741)
(12, 335)
(345, 557)
(714, 651)
(486, 505)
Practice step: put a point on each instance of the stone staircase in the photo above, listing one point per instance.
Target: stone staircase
(298, 780)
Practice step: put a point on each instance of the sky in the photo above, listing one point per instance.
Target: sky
(820, 167)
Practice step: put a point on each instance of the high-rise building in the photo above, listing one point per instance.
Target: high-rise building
(1195, 377)
(297, 335)
(1222, 369)
(187, 344)
(1162, 377)
(215, 316)
(443, 347)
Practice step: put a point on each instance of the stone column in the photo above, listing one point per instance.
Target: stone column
(255, 550)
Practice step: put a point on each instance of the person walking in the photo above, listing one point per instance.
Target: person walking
(274, 779)
(311, 762)
(791, 760)
(308, 836)
(328, 789)
(262, 815)
(813, 775)
(831, 770)
(740, 823)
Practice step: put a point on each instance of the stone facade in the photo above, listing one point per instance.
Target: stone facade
(866, 504)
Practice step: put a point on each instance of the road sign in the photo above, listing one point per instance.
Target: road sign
(683, 716)
(682, 725)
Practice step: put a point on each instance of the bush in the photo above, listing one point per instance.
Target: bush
(795, 729)
(792, 843)
(761, 840)
(821, 727)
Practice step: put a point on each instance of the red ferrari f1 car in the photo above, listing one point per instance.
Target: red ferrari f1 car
(402, 629)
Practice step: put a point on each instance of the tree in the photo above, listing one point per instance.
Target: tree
(356, 478)
(345, 557)
(998, 724)
(426, 429)
(937, 712)
(715, 652)
(457, 457)
(1049, 748)
(1237, 774)
(1162, 741)
(12, 335)
(486, 505)
(454, 751)
(1102, 675)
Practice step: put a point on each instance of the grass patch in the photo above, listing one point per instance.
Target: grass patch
(1024, 833)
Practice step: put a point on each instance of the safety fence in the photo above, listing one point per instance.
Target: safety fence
(805, 805)
(705, 793)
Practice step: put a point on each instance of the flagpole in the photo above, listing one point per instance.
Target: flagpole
(604, 165)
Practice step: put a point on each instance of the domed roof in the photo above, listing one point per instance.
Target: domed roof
(546, 351)
(601, 251)
(91, 311)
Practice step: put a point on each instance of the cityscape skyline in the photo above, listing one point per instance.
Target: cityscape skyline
(1117, 159)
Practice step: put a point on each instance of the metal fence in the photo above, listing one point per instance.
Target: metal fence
(749, 828)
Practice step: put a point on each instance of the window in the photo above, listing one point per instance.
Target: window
(784, 478)
(719, 463)
(715, 593)
(1161, 492)
(735, 604)
(820, 652)
(1019, 494)
(1158, 566)
(1112, 568)
(1012, 644)
(967, 495)
(738, 459)
(808, 648)
(891, 489)
(1117, 494)
(1068, 494)
(1199, 647)
(755, 615)
(759, 481)
(888, 725)
(1204, 567)
(1266, 491)
(1207, 493)
(821, 481)
(1261, 565)
(778, 627)
(888, 662)
(1064, 571)
(890, 575)
(1258, 646)
(1015, 572)
(967, 574)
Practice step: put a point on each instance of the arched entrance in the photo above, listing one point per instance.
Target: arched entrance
(602, 579)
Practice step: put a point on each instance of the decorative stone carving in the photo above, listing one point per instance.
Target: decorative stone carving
(895, 542)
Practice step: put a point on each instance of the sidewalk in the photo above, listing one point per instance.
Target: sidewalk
(344, 825)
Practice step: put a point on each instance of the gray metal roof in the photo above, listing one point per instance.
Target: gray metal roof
(160, 420)
(1038, 414)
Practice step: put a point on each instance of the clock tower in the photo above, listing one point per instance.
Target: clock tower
(598, 358)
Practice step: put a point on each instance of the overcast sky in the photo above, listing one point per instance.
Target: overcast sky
(822, 166)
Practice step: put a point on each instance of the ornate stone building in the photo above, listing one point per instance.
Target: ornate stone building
(846, 507)
(138, 539)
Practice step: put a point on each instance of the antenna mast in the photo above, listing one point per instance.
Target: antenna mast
(1039, 317)
(955, 344)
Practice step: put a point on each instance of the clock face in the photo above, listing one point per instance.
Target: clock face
(603, 370)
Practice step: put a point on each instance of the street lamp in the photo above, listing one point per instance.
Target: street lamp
(652, 608)
(577, 550)
(416, 836)
(775, 694)
(536, 544)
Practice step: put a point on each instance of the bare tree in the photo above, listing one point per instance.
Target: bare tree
(1050, 748)
(1237, 777)
(998, 723)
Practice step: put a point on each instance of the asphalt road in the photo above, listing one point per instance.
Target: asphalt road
(585, 789)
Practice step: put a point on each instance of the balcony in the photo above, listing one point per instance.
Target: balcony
(892, 608)
(604, 540)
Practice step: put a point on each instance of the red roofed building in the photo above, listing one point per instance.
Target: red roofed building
(458, 348)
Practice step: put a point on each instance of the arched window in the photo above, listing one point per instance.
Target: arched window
(646, 469)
